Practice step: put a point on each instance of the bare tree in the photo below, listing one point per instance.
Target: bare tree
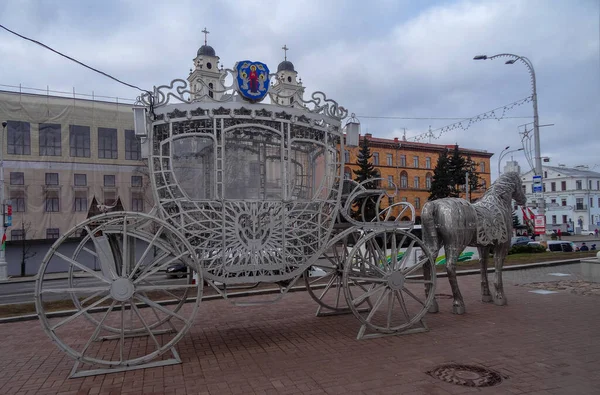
(26, 246)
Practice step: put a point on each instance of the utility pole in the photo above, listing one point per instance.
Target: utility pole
(3, 264)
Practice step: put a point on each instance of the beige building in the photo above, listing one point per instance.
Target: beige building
(60, 154)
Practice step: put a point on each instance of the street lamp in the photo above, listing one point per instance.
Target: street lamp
(536, 125)
(503, 154)
(3, 264)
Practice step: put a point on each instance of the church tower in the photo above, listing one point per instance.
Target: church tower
(287, 90)
(206, 80)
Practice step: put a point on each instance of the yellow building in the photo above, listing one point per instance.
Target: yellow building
(60, 154)
(408, 166)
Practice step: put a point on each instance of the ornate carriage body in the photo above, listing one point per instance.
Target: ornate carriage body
(255, 188)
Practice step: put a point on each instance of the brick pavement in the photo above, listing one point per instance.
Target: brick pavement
(546, 344)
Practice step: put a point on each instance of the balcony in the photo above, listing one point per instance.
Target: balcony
(580, 207)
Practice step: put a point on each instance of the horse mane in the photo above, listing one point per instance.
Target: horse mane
(503, 187)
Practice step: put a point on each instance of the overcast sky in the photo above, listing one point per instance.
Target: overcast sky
(378, 58)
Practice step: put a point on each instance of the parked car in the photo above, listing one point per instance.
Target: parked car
(177, 270)
(558, 245)
(519, 241)
(588, 232)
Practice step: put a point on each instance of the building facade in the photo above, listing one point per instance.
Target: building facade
(572, 197)
(60, 155)
(408, 168)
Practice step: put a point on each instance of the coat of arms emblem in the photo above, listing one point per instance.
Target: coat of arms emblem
(252, 80)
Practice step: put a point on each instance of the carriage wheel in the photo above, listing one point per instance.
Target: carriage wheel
(126, 298)
(388, 266)
(324, 279)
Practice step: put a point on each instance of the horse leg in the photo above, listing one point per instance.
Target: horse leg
(484, 253)
(499, 256)
(433, 308)
(458, 304)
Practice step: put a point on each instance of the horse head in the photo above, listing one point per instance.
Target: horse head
(513, 180)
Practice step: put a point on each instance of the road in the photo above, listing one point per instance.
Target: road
(23, 292)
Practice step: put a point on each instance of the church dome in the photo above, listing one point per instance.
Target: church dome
(208, 51)
(286, 65)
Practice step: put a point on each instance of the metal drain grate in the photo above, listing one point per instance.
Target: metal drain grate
(467, 375)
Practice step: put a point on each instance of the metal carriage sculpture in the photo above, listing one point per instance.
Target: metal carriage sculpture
(245, 193)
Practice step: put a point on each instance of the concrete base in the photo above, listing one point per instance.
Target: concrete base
(590, 270)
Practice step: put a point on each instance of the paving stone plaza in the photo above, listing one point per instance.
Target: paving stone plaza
(539, 343)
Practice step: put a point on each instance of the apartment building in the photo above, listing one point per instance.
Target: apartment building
(61, 154)
(408, 166)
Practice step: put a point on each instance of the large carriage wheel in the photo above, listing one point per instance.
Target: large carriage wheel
(324, 279)
(127, 298)
(396, 275)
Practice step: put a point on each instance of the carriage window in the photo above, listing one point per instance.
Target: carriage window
(252, 167)
(310, 171)
(194, 166)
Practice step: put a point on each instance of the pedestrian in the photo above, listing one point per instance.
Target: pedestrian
(558, 233)
(583, 247)
(596, 232)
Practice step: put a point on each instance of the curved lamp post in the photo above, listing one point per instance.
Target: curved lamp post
(536, 125)
(503, 154)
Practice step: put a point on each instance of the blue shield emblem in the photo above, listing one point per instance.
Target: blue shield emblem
(252, 80)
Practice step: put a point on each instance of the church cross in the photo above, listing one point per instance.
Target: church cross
(285, 49)
(205, 33)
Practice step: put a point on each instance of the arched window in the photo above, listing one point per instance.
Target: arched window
(403, 180)
(428, 180)
(210, 89)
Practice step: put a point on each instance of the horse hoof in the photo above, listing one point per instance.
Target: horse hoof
(458, 309)
(500, 301)
(433, 308)
(487, 298)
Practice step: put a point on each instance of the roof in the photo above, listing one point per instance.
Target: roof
(427, 146)
(286, 65)
(569, 171)
(206, 50)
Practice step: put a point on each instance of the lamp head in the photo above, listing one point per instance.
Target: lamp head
(510, 61)
(507, 147)
(480, 57)
(4, 124)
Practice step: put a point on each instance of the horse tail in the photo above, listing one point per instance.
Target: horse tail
(430, 233)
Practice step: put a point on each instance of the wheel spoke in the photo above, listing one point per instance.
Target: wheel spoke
(97, 290)
(329, 284)
(411, 269)
(98, 327)
(146, 251)
(80, 312)
(162, 289)
(412, 295)
(390, 308)
(417, 281)
(402, 304)
(377, 304)
(82, 267)
(90, 251)
(367, 294)
(125, 249)
(161, 308)
(84, 301)
(377, 280)
(316, 280)
(157, 267)
(406, 256)
(139, 314)
(122, 340)
(146, 288)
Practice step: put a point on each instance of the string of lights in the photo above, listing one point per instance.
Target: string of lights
(466, 123)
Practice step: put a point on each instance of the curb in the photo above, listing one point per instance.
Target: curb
(269, 291)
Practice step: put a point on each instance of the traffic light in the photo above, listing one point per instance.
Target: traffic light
(9, 210)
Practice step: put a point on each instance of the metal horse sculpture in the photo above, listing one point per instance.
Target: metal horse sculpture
(456, 224)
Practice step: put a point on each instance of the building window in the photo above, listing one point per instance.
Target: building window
(137, 203)
(402, 160)
(416, 162)
(18, 137)
(17, 234)
(598, 185)
(376, 158)
(417, 182)
(133, 147)
(544, 187)
(404, 199)
(553, 201)
(563, 185)
(553, 186)
(107, 143)
(80, 180)
(347, 175)
(81, 203)
(52, 233)
(390, 159)
(563, 202)
(391, 181)
(428, 180)
(109, 180)
(346, 156)
(51, 178)
(417, 202)
(50, 139)
(579, 204)
(211, 94)
(18, 202)
(591, 202)
(136, 181)
(564, 219)
(79, 141)
(598, 202)
(589, 184)
(545, 174)
(578, 185)
(17, 178)
(428, 163)
(52, 204)
(482, 167)
(403, 180)
(554, 220)
(483, 185)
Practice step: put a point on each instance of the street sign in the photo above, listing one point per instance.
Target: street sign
(537, 184)
(8, 221)
(539, 224)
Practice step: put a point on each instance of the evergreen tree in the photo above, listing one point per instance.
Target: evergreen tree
(440, 185)
(515, 220)
(365, 171)
(456, 171)
(471, 167)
